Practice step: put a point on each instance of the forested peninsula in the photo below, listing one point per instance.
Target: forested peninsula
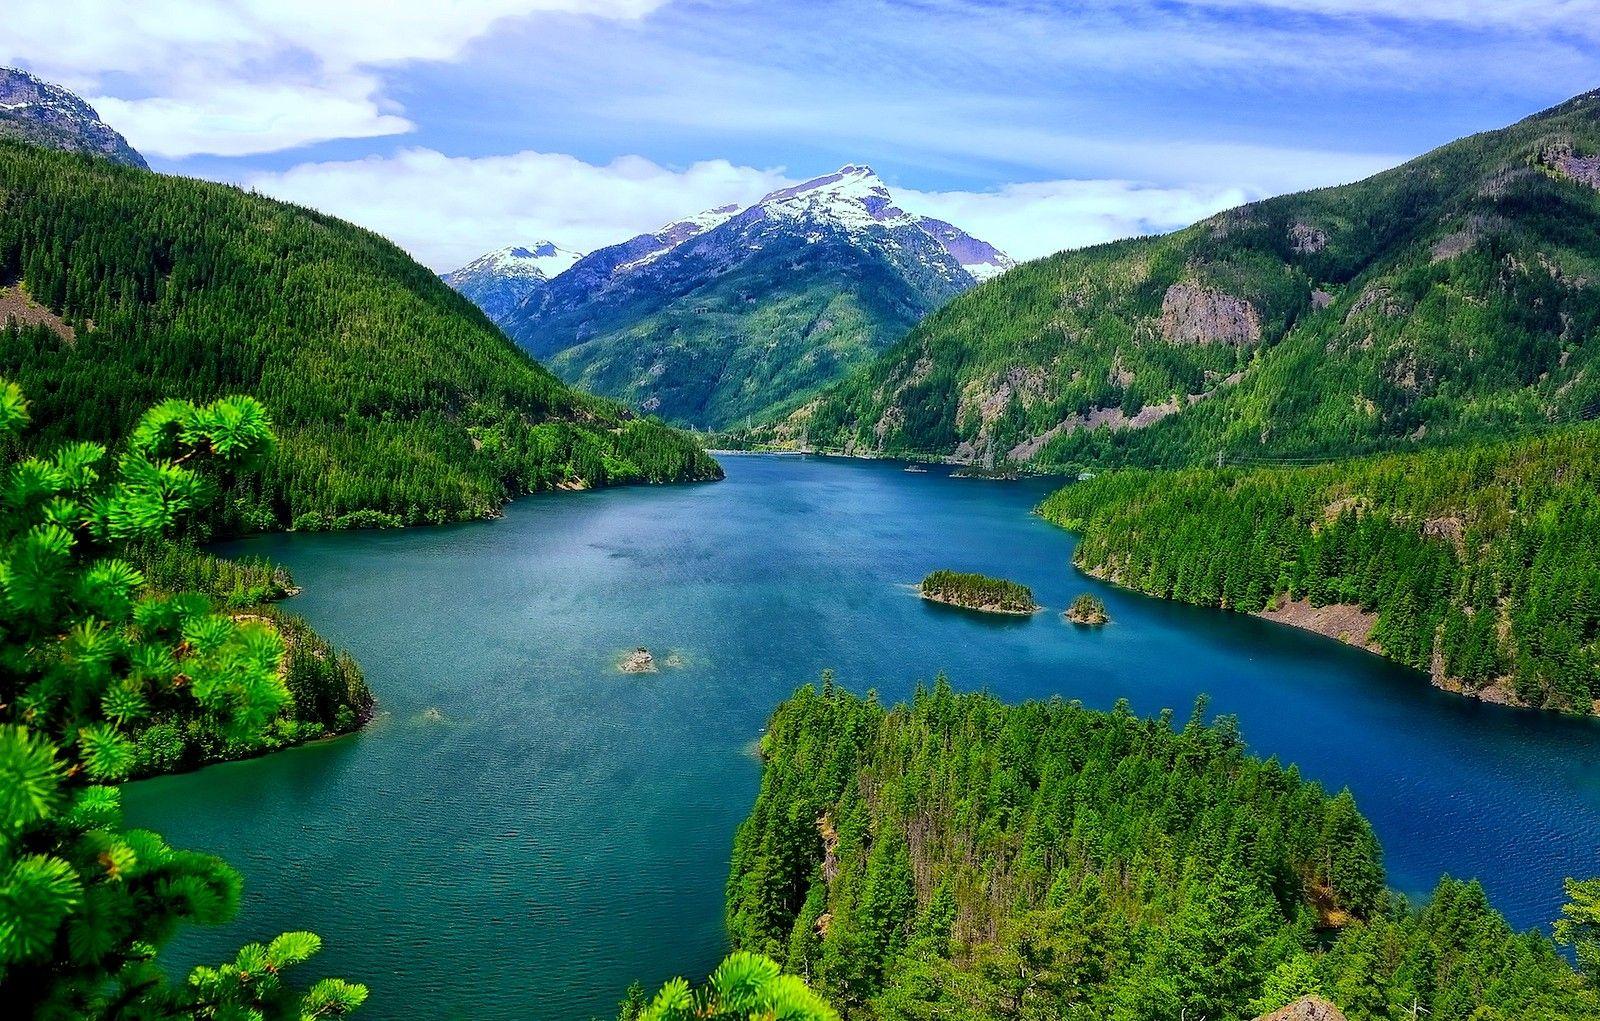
(957, 858)
(1479, 565)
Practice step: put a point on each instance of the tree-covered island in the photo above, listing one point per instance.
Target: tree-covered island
(1088, 610)
(978, 592)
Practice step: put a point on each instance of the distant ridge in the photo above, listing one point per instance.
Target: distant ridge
(503, 279)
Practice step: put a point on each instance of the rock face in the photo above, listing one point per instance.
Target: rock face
(1191, 314)
(1307, 1008)
(36, 111)
(1306, 239)
(722, 315)
(1559, 156)
(1347, 622)
(979, 258)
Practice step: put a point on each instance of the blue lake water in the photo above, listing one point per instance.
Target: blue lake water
(525, 829)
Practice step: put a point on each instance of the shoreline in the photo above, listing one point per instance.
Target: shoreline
(1000, 611)
(1332, 621)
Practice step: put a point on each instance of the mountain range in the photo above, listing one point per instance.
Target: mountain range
(43, 113)
(739, 311)
(1455, 296)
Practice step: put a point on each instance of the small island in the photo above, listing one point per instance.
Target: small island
(639, 661)
(1087, 610)
(979, 592)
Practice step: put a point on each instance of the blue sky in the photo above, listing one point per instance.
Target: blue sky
(456, 127)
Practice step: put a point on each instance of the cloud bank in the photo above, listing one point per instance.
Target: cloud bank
(449, 210)
(238, 77)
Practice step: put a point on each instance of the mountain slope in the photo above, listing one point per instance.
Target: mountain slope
(736, 311)
(395, 400)
(1458, 294)
(503, 279)
(36, 111)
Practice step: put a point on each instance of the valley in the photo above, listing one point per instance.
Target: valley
(590, 732)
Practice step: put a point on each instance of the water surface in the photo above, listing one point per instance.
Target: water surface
(525, 830)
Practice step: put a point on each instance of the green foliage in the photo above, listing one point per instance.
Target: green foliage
(328, 693)
(1455, 296)
(1087, 608)
(92, 665)
(394, 396)
(1579, 924)
(745, 987)
(956, 858)
(748, 342)
(1481, 563)
(978, 592)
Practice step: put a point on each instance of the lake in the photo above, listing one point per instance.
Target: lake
(525, 830)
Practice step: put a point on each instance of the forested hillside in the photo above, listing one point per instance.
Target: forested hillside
(395, 400)
(1480, 564)
(956, 858)
(1456, 295)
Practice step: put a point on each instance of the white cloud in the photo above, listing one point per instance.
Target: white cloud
(235, 119)
(1038, 218)
(1579, 16)
(235, 77)
(448, 210)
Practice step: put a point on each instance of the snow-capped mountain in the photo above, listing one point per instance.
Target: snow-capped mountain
(501, 280)
(39, 112)
(734, 311)
(979, 258)
(854, 198)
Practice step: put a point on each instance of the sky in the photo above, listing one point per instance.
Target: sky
(458, 126)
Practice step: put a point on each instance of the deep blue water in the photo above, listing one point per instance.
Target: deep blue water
(525, 830)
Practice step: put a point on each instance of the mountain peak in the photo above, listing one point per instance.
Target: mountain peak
(499, 281)
(538, 250)
(43, 113)
(852, 197)
(540, 261)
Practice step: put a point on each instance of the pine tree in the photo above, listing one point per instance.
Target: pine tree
(745, 986)
(85, 657)
(1579, 924)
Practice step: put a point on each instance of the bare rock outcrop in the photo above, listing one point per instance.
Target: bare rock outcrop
(1347, 622)
(639, 661)
(1191, 314)
(1382, 300)
(1559, 157)
(1306, 239)
(18, 309)
(1307, 1008)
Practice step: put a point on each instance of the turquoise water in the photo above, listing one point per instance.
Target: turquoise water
(525, 830)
